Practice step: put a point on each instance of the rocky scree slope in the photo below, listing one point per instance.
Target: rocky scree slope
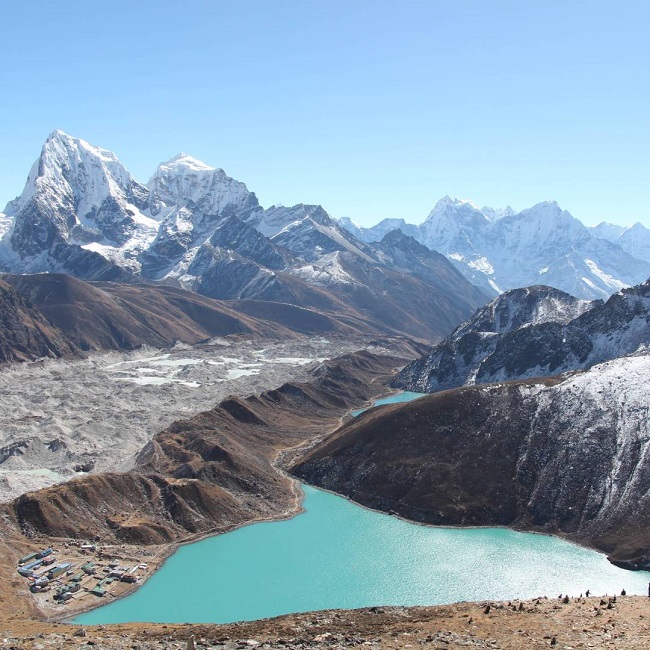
(193, 227)
(533, 332)
(500, 250)
(564, 455)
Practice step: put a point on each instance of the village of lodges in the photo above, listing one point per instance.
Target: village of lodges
(71, 577)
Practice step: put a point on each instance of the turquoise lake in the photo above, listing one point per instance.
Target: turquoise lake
(404, 396)
(340, 555)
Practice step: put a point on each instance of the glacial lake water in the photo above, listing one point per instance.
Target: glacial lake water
(404, 396)
(339, 555)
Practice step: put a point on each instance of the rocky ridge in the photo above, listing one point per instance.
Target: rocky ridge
(54, 315)
(533, 332)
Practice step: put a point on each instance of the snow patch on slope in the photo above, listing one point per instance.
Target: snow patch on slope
(5, 223)
(326, 272)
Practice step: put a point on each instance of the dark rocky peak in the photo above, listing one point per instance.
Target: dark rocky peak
(523, 307)
(404, 252)
(312, 236)
(238, 236)
(628, 309)
(397, 240)
(224, 274)
(531, 333)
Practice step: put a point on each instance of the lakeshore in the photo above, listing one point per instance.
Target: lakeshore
(338, 555)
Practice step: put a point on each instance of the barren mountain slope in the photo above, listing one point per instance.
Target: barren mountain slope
(25, 332)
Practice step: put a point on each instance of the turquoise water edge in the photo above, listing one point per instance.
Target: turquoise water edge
(339, 555)
(404, 396)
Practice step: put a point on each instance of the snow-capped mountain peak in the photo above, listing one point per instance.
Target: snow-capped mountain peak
(634, 240)
(185, 161)
(76, 193)
(543, 222)
(72, 169)
(185, 180)
(449, 205)
(499, 249)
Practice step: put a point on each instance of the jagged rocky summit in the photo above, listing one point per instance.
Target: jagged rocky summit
(192, 226)
(533, 332)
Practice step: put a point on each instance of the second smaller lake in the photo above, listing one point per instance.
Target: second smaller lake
(406, 396)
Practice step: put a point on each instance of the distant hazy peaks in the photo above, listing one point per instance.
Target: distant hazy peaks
(453, 206)
(550, 213)
(548, 206)
(447, 202)
(606, 230)
(493, 214)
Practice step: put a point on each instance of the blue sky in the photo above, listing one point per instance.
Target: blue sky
(371, 108)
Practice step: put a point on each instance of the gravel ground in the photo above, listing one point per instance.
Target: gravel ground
(61, 417)
(517, 625)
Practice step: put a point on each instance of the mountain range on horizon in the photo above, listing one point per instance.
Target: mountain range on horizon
(195, 228)
(500, 249)
(81, 212)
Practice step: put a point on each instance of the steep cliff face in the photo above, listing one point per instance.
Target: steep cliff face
(533, 332)
(563, 455)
